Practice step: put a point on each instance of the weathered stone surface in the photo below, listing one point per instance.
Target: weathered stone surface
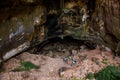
(103, 21)
(109, 12)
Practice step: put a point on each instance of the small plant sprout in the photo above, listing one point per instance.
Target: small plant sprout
(105, 61)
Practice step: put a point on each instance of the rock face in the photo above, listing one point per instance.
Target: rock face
(103, 17)
(109, 12)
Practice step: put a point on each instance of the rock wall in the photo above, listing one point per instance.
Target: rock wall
(104, 16)
(108, 12)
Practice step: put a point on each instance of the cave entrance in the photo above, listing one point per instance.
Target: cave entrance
(58, 46)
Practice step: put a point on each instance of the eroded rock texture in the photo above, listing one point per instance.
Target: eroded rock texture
(108, 12)
(103, 17)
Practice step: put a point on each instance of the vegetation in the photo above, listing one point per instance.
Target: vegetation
(105, 61)
(108, 73)
(26, 66)
(90, 76)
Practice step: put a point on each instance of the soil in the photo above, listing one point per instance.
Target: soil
(60, 60)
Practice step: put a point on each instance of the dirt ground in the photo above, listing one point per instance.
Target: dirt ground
(59, 61)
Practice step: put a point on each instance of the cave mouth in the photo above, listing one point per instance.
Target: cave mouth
(51, 4)
(58, 46)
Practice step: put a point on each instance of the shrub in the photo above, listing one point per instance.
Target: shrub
(108, 73)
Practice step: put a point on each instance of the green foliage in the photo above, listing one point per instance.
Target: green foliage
(108, 73)
(90, 76)
(26, 66)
